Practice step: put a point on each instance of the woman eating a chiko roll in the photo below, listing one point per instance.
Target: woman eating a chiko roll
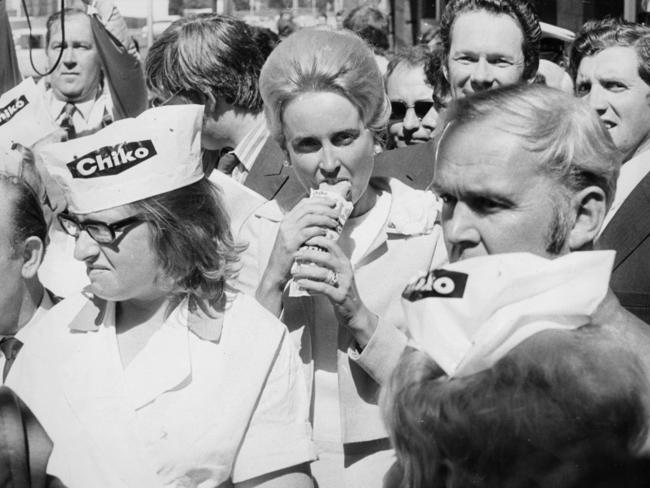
(333, 268)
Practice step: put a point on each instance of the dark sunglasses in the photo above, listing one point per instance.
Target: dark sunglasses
(101, 232)
(421, 108)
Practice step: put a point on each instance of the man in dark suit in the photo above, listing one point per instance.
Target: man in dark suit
(486, 44)
(214, 61)
(23, 230)
(610, 64)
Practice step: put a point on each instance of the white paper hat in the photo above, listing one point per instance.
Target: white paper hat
(23, 115)
(470, 314)
(130, 160)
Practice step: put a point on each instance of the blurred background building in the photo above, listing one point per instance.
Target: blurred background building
(409, 18)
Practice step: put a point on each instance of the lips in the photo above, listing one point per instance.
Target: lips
(608, 123)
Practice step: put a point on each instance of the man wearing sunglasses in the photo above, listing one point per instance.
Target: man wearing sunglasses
(486, 44)
(413, 115)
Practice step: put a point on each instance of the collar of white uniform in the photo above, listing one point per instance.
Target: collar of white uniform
(472, 313)
(207, 326)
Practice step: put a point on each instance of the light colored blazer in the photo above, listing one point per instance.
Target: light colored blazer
(205, 401)
(409, 243)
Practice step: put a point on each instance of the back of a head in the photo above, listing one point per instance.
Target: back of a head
(370, 24)
(23, 189)
(204, 58)
(598, 35)
(556, 398)
(563, 132)
(520, 10)
(314, 60)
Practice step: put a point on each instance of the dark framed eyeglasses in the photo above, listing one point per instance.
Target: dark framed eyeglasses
(101, 232)
(399, 108)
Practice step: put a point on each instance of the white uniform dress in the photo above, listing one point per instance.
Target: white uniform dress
(206, 401)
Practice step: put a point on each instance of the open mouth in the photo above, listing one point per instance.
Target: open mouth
(609, 124)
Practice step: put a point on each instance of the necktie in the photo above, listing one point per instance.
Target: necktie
(66, 120)
(10, 347)
(227, 163)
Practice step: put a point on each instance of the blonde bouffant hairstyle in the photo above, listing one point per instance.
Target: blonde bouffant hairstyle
(313, 60)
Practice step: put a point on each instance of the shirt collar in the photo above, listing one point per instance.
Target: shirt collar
(250, 146)
(206, 326)
(84, 108)
(631, 174)
(26, 330)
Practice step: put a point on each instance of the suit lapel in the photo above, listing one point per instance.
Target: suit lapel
(630, 225)
(266, 177)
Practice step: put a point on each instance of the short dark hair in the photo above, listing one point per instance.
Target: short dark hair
(27, 218)
(207, 57)
(265, 39)
(598, 35)
(412, 56)
(55, 18)
(520, 10)
(370, 24)
(192, 239)
(436, 78)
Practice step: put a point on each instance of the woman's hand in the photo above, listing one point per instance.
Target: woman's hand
(309, 218)
(329, 272)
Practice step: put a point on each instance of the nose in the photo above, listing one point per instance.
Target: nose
(459, 227)
(69, 58)
(85, 247)
(430, 120)
(329, 163)
(597, 100)
(411, 121)
(482, 76)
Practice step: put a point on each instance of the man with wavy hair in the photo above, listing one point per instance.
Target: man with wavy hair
(213, 60)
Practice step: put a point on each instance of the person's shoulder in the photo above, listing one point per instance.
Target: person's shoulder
(247, 316)
(412, 211)
(416, 152)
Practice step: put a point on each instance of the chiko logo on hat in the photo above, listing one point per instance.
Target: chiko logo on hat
(111, 160)
(12, 108)
(438, 283)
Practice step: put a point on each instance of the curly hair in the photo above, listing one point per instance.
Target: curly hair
(520, 10)
(192, 239)
(598, 35)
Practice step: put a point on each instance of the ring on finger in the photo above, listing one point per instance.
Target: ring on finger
(332, 278)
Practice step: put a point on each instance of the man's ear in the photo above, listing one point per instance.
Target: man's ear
(33, 252)
(589, 209)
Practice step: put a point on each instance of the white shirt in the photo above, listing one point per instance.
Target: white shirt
(88, 116)
(249, 148)
(186, 411)
(630, 176)
(27, 331)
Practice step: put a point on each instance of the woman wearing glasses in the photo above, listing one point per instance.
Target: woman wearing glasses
(340, 298)
(160, 374)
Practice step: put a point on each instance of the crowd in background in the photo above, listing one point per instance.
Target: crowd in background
(297, 259)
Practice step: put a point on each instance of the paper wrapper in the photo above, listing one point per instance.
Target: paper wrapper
(472, 313)
(338, 193)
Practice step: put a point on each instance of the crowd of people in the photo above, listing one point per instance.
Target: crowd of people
(313, 263)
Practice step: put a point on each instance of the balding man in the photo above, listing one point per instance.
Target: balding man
(486, 44)
(538, 178)
(77, 98)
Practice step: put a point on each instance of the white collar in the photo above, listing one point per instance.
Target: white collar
(27, 330)
(250, 146)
